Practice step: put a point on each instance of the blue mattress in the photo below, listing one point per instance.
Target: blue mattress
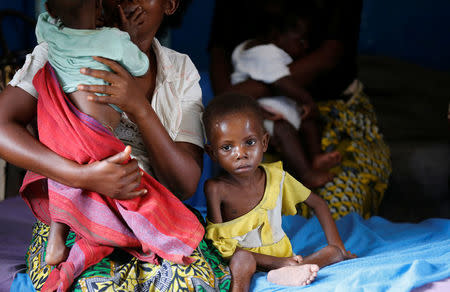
(391, 256)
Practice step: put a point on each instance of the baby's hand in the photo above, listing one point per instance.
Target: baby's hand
(130, 22)
(268, 115)
(305, 111)
(309, 111)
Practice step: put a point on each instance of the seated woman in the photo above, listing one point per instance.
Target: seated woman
(329, 73)
(161, 121)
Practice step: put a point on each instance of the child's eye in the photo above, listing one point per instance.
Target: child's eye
(226, 147)
(251, 142)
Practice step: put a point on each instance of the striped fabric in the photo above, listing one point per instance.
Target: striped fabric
(156, 224)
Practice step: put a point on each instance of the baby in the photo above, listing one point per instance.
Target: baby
(69, 27)
(245, 205)
(282, 38)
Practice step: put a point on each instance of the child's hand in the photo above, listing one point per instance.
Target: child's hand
(130, 22)
(348, 255)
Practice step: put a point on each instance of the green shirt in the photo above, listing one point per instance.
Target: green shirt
(69, 50)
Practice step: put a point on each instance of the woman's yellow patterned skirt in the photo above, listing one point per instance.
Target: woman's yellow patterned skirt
(362, 178)
(122, 272)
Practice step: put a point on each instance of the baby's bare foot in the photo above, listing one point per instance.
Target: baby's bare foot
(293, 275)
(56, 253)
(316, 178)
(326, 161)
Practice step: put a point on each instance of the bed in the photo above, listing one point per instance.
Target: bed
(392, 256)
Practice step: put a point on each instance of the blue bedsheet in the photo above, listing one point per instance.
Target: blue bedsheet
(392, 256)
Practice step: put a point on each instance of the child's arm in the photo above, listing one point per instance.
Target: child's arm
(323, 213)
(213, 201)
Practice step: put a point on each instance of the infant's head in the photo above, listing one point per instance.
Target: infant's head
(286, 23)
(77, 14)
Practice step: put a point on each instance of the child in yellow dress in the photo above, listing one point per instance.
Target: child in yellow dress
(245, 205)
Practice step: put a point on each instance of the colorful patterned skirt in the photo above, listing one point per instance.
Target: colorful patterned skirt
(362, 178)
(122, 272)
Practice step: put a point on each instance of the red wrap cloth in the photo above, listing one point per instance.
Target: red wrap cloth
(156, 223)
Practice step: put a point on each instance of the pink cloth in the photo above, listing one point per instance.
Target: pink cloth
(155, 224)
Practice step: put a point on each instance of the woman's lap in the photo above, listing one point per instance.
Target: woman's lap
(122, 272)
(362, 178)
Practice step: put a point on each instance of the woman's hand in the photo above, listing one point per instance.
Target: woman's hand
(127, 92)
(130, 22)
(112, 178)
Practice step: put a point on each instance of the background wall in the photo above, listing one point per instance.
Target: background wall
(416, 31)
(413, 30)
(17, 34)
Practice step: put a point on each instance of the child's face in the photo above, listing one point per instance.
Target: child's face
(238, 143)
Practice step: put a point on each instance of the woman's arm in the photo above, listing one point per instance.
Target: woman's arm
(325, 58)
(177, 165)
(19, 147)
(303, 71)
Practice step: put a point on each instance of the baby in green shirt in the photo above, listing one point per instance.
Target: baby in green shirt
(71, 30)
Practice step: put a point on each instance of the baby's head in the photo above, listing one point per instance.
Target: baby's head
(78, 14)
(286, 23)
(235, 132)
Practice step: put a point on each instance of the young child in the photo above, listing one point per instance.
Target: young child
(283, 37)
(245, 205)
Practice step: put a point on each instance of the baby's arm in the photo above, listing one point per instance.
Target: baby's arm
(323, 213)
(287, 86)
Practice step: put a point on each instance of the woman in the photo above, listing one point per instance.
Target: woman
(329, 73)
(161, 122)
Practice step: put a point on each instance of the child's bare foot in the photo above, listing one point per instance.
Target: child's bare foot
(316, 178)
(56, 253)
(293, 275)
(326, 161)
(328, 255)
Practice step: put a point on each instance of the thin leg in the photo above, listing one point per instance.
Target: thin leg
(242, 266)
(287, 140)
(57, 251)
(326, 256)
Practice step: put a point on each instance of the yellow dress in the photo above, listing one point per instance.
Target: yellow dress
(260, 229)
